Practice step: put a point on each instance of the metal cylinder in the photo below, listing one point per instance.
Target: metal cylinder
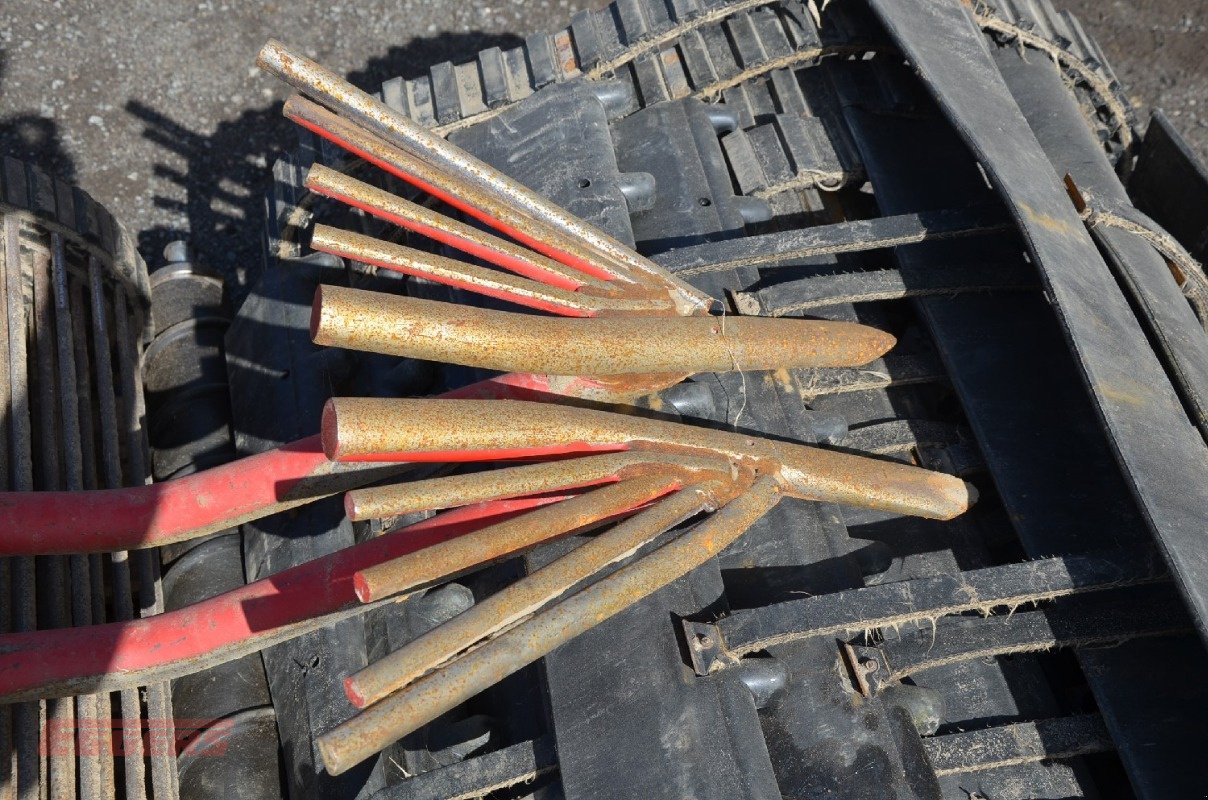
(509, 342)
(529, 594)
(489, 545)
(189, 417)
(432, 695)
(377, 429)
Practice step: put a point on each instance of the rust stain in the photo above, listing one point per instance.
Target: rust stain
(1046, 221)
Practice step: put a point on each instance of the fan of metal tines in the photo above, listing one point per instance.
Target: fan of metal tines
(615, 326)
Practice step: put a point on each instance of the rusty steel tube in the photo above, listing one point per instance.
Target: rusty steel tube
(510, 342)
(477, 179)
(387, 429)
(530, 594)
(473, 278)
(421, 702)
(449, 559)
(466, 238)
(392, 500)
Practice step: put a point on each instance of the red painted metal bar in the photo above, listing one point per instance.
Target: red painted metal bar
(105, 520)
(159, 514)
(117, 655)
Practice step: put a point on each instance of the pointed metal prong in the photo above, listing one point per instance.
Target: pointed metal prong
(466, 238)
(480, 280)
(448, 271)
(368, 428)
(510, 342)
(530, 594)
(104, 520)
(476, 178)
(408, 167)
(486, 546)
(425, 699)
(397, 499)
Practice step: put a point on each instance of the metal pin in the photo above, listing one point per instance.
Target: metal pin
(489, 545)
(382, 429)
(477, 179)
(397, 499)
(88, 762)
(111, 471)
(480, 280)
(528, 595)
(448, 231)
(25, 715)
(60, 714)
(421, 702)
(510, 342)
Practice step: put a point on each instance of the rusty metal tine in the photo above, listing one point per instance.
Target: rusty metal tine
(394, 500)
(375, 429)
(111, 472)
(479, 178)
(466, 238)
(88, 758)
(530, 594)
(25, 715)
(509, 342)
(60, 713)
(405, 165)
(501, 216)
(488, 545)
(387, 721)
(482, 280)
(473, 278)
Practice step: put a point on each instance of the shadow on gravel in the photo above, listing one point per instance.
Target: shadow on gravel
(34, 139)
(229, 171)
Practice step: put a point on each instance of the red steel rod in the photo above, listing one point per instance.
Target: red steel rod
(37, 523)
(105, 520)
(116, 655)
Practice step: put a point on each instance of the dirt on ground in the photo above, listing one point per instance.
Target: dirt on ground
(157, 110)
(1159, 51)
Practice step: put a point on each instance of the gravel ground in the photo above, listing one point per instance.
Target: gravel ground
(1159, 51)
(156, 109)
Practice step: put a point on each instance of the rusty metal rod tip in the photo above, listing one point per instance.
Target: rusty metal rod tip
(329, 427)
(599, 347)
